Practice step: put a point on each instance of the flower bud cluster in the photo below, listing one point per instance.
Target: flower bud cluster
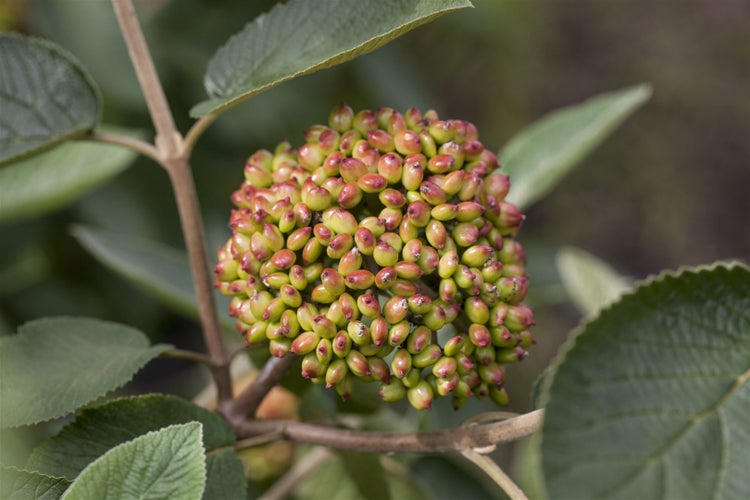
(382, 249)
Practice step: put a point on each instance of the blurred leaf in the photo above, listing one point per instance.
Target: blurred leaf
(97, 430)
(303, 36)
(45, 95)
(16, 484)
(161, 271)
(590, 282)
(162, 464)
(225, 476)
(527, 467)
(367, 473)
(332, 482)
(56, 178)
(651, 399)
(443, 479)
(541, 155)
(55, 365)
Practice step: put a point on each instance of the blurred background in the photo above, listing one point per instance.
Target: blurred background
(670, 188)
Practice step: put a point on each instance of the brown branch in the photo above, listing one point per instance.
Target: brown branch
(137, 145)
(170, 155)
(496, 473)
(456, 439)
(246, 404)
(198, 357)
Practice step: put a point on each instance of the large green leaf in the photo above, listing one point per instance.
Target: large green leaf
(303, 36)
(157, 269)
(225, 476)
(55, 365)
(161, 464)
(45, 95)
(97, 430)
(365, 470)
(56, 178)
(651, 399)
(16, 484)
(539, 156)
(590, 282)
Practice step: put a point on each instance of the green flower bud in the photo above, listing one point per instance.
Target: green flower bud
(279, 347)
(342, 344)
(324, 351)
(418, 339)
(311, 367)
(427, 356)
(336, 372)
(304, 343)
(341, 118)
(357, 364)
(379, 331)
(420, 396)
(392, 392)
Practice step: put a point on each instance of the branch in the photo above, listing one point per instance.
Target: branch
(169, 155)
(198, 357)
(167, 137)
(195, 132)
(497, 474)
(137, 145)
(456, 439)
(246, 404)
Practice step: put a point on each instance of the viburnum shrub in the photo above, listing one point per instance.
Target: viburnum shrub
(360, 247)
(381, 248)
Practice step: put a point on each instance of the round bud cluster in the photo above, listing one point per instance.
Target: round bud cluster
(382, 249)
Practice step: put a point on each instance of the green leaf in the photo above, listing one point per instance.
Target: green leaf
(45, 95)
(16, 484)
(445, 480)
(365, 470)
(590, 282)
(161, 271)
(52, 180)
(97, 430)
(162, 464)
(538, 157)
(303, 36)
(225, 476)
(651, 399)
(55, 365)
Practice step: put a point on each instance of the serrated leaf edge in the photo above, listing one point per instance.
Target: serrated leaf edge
(76, 64)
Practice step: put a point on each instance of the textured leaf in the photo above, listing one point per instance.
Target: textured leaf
(97, 430)
(16, 484)
(225, 476)
(590, 282)
(45, 95)
(161, 464)
(161, 271)
(55, 365)
(303, 36)
(652, 398)
(56, 178)
(538, 157)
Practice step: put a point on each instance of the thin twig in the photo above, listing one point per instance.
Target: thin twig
(195, 132)
(198, 357)
(246, 404)
(455, 439)
(137, 145)
(497, 474)
(256, 441)
(303, 468)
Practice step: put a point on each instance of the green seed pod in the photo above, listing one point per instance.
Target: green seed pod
(412, 378)
(453, 345)
(492, 374)
(311, 367)
(379, 331)
(444, 367)
(445, 386)
(398, 333)
(279, 347)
